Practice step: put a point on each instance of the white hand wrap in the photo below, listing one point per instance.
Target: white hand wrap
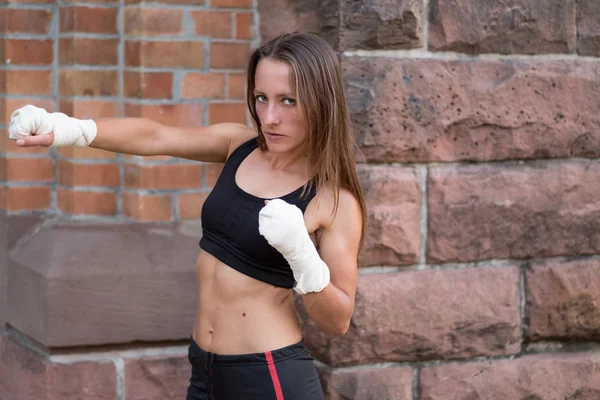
(282, 224)
(30, 120)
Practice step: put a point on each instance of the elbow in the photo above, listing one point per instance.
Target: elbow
(338, 329)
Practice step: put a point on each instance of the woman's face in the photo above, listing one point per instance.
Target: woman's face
(277, 108)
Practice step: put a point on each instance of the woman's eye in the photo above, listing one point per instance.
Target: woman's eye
(260, 98)
(289, 102)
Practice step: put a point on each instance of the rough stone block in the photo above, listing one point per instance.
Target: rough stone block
(347, 25)
(157, 378)
(3, 262)
(588, 28)
(519, 211)
(317, 16)
(12, 229)
(83, 284)
(426, 315)
(393, 198)
(368, 383)
(490, 26)
(436, 110)
(26, 374)
(381, 25)
(563, 301)
(563, 376)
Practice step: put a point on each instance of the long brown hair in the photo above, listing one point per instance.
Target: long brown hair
(317, 81)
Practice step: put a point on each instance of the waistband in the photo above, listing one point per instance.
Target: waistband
(284, 353)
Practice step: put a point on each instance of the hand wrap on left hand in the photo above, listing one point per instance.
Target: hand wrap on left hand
(282, 224)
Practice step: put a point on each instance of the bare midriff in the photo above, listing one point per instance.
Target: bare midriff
(237, 314)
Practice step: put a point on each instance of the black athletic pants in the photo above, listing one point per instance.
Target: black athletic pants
(283, 374)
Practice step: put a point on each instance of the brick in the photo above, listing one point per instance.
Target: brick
(200, 85)
(26, 374)
(73, 174)
(163, 177)
(213, 171)
(190, 205)
(226, 112)
(28, 52)
(562, 301)
(393, 196)
(26, 21)
(152, 22)
(215, 24)
(231, 3)
(426, 315)
(244, 25)
(83, 19)
(30, 1)
(85, 153)
(548, 376)
(496, 211)
(173, 2)
(92, 108)
(237, 86)
(228, 55)
(29, 169)
(3, 207)
(164, 54)
(93, 2)
(180, 114)
(29, 83)
(73, 82)
(86, 51)
(3, 172)
(147, 208)
(148, 85)
(156, 378)
(427, 110)
(393, 383)
(27, 198)
(486, 26)
(88, 203)
(588, 28)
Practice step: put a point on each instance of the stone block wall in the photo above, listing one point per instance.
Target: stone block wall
(479, 133)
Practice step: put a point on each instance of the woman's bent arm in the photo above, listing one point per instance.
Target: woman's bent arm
(331, 308)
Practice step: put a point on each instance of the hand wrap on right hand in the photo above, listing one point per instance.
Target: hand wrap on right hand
(30, 120)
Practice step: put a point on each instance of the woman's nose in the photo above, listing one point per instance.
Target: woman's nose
(272, 115)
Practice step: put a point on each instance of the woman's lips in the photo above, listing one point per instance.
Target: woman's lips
(273, 135)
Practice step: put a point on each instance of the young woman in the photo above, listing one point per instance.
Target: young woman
(287, 212)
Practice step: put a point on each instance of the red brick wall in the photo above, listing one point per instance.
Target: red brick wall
(178, 62)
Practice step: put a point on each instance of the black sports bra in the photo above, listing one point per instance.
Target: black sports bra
(230, 225)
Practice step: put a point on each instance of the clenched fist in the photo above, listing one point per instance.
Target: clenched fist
(282, 225)
(30, 121)
(30, 126)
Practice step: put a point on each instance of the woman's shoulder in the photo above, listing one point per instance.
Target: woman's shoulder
(330, 211)
(240, 134)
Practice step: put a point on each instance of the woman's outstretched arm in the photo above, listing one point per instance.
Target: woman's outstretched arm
(33, 126)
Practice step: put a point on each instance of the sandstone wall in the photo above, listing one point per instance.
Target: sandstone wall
(478, 126)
